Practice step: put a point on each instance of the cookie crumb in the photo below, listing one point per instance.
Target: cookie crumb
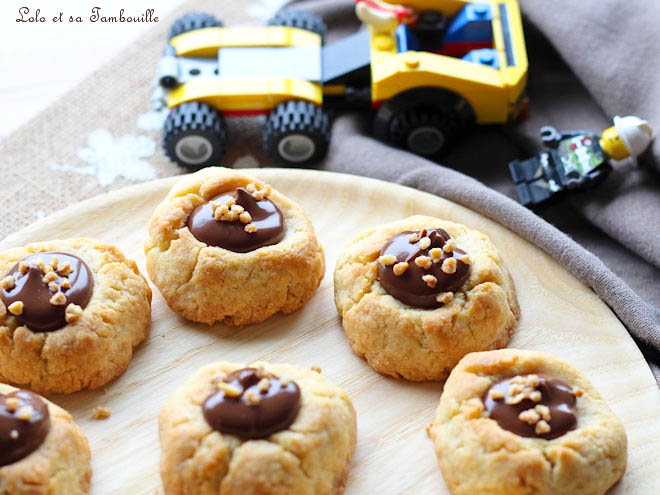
(449, 266)
(400, 268)
(245, 217)
(542, 427)
(72, 313)
(387, 259)
(449, 246)
(464, 258)
(444, 298)
(58, 299)
(250, 228)
(16, 308)
(101, 413)
(3, 311)
(317, 369)
(25, 413)
(430, 280)
(8, 283)
(424, 261)
(424, 243)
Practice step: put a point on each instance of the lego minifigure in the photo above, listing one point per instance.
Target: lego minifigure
(577, 160)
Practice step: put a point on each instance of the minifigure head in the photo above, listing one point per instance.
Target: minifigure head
(629, 136)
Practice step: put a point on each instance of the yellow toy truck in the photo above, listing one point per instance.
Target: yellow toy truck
(428, 71)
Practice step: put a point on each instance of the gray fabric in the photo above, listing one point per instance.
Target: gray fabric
(588, 60)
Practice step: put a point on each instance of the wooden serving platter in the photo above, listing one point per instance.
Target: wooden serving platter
(560, 315)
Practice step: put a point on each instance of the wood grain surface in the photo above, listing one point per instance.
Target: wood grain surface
(394, 456)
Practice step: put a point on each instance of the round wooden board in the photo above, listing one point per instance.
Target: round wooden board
(560, 315)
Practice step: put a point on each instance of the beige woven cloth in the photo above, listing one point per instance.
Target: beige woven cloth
(102, 136)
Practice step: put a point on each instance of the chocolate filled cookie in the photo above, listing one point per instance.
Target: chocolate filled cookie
(525, 423)
(71, 313)
(258, 429)
(41, 448)
(417, 295)
(224, 246)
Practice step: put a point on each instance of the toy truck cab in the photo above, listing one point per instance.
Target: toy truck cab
(429, 71)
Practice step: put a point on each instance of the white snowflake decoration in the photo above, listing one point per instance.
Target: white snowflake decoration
(110, 158)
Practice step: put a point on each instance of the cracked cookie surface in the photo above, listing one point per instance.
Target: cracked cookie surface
(310, 457)
(478, 456)
(207, 283)
(96, 342)
(420, 343)
(61, 464)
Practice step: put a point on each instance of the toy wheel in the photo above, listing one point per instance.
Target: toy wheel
(427, 122)
(297, 134)
(192, 21)
(300, 19)
(194, 136)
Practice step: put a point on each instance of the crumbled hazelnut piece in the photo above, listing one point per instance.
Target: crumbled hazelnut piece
(496, 394)
(229, 389)
(41, 264)
(230, 201)
(58, 299)
(53, 287)
(529, 416)
(424, 262)
(23, 267)
(514, 399)
(258, 195)
(263, 385)
(578, 392)
(251, 187)
(444, 297)
(449, 246)
(250, 228)
(544, 411)
(101, 413)
(285, 380)
(229, 216)
(25, 413)
(387, 259)
(519, 379)
(465, 258)
(532, 380)
(72, 313)
(436, 253)
(413, 238)
(400, 268)
(238, 209)
(65, 283)
(12, 404)
(220, 212)
(430, 280)
(8, 283)
(245, 217)
(449, 266)
(542, 427)
(535, 396)
(252, 397)
(64, 269)
(49, 277)
(267, 190)
(16, 308)
(316, 368)
(13, 434)
(54, 261)
(424, 243)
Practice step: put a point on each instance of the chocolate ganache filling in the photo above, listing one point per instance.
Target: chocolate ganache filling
(241, 220)
(252, 404)
(24, 425)
(40, 287)
(533, 405)
(422, 269)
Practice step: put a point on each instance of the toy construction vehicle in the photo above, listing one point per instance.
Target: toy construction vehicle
(577, 160)
(428, 70)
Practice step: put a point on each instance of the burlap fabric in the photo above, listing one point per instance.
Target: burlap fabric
(58, 158)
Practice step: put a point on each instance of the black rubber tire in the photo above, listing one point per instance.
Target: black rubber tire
(191, 22)
(300, 19)
(294, 119)
(427, 108)
(195, 119)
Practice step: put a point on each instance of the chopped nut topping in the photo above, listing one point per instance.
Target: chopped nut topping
(238, 209)
(25, 413)
(58, 299)
(515, 399)
(12, 404)
(529, 416)
(444, 297)
(13, 434)
(23, 267)
(250, 228)
(101, 413)
(54, 261)
(387, 259)
(413, 238)
(285, 379)
(465, 259)
(53, 287)
(8, 283)
(436, 253)
(263, 385)
(424, 243)
(449, 246)
(544, 411)
(542, 427)
(42, 265)
(72, 313)
(65, 283)
(496, 394)
(229, 389)
(251, 187)
(245, 217)
(64, 269)
(16, 308)
(535, 396)
(229, 216)
(252, 397)
(430, 280)
(316, 368)
(231, 201)
(424, 262)
(49, 277)
(449, 266)
(400, 268)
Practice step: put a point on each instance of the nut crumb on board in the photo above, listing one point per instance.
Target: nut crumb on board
(101, 413)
